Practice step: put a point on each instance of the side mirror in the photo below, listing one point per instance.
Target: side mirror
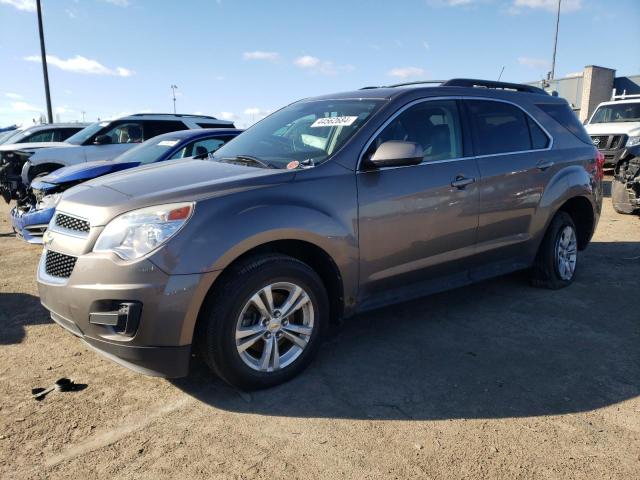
(102, 140)
(396, 153)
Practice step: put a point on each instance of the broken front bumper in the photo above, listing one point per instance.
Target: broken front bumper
(31, 224)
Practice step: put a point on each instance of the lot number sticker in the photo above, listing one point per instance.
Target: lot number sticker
(333, 122)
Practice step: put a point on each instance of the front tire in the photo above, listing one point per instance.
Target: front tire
(557, 259)
(264, 322)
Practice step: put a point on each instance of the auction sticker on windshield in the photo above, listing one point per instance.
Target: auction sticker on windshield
(333, 122)
(167, 143)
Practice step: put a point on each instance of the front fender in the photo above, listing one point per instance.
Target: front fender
(224, 228)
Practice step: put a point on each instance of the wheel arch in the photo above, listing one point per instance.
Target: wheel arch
(309, 253)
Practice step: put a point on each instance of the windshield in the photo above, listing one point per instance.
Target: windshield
(86, 133)
(5, 136)
(305, 131)
(16, 136)
(621, 112)
(149, 151)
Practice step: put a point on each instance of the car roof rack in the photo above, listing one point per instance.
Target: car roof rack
(471, 83)
(187, 115)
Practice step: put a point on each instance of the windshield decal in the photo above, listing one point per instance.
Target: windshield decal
(334, 122)
(167, 143)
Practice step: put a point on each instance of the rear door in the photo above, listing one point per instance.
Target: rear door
(515, 161)
(417, 224)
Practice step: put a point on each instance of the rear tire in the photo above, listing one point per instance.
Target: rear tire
(557, 259)
(620, 197)
(249, 335)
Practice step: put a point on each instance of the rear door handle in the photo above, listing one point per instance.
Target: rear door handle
(544, 165)
(461, 182)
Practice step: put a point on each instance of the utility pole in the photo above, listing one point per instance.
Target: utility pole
(173, 89)
(43, 53)
(555, 45)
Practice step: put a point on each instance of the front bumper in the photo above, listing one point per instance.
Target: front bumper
(160, 345)
(31, 224)
(611, 157)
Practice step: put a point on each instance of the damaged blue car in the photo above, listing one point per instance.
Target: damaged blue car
(30, 217)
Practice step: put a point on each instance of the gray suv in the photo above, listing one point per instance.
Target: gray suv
(327, 208)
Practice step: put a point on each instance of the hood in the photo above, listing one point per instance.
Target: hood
(101, 199)
(33, 145)
(86, 171)
(628, 128)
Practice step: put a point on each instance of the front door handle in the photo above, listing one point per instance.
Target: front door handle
(461, 182)
(544, 165)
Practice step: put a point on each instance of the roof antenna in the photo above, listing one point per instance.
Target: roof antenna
(501, 71)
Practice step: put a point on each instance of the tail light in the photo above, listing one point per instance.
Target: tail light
(599, 165)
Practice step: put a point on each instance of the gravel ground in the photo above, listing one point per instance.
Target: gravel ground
(497, 380)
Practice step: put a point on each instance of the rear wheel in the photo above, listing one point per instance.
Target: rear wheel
(264, 323)
(557, 258)
(619, 193)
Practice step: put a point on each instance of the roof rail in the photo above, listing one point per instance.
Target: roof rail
(406, 84)
(624, 96)
(472, 82)
(174, 115)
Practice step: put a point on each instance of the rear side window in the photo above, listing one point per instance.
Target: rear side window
(539, 139)
(562, 113)
(501, 128)
(153, 128)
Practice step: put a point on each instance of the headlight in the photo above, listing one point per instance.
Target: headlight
(633, 141)
(49, 201)
(136, 233)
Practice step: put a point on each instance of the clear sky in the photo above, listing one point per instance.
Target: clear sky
(238, 59)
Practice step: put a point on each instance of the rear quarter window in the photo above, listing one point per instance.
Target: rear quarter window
(562, 114)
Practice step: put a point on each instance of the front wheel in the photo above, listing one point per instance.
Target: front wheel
(557, 259)
(264, 323)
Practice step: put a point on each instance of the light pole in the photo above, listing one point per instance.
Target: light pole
(555, 45)
(173, 89)
(43, 53)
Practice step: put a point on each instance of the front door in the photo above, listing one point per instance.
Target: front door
(417, 224)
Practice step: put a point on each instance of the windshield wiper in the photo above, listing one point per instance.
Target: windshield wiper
(247, 160)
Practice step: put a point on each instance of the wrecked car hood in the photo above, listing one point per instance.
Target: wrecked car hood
(86, 171)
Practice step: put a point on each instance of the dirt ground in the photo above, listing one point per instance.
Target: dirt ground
(497, 380)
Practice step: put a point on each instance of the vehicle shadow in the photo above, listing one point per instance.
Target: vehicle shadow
(492, 350)
(18, 310)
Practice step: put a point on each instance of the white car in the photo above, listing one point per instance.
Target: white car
(99, 141)
(615, 127)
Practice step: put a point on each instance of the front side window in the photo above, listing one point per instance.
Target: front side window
(434, 125)
(307, 131)
(130, 132)
(501, 128)
(200, 148)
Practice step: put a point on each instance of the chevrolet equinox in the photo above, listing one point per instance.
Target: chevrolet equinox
(329, 207)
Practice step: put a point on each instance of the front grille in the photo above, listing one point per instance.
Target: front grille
(609, 142)
(59, 265)
(72, 223)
